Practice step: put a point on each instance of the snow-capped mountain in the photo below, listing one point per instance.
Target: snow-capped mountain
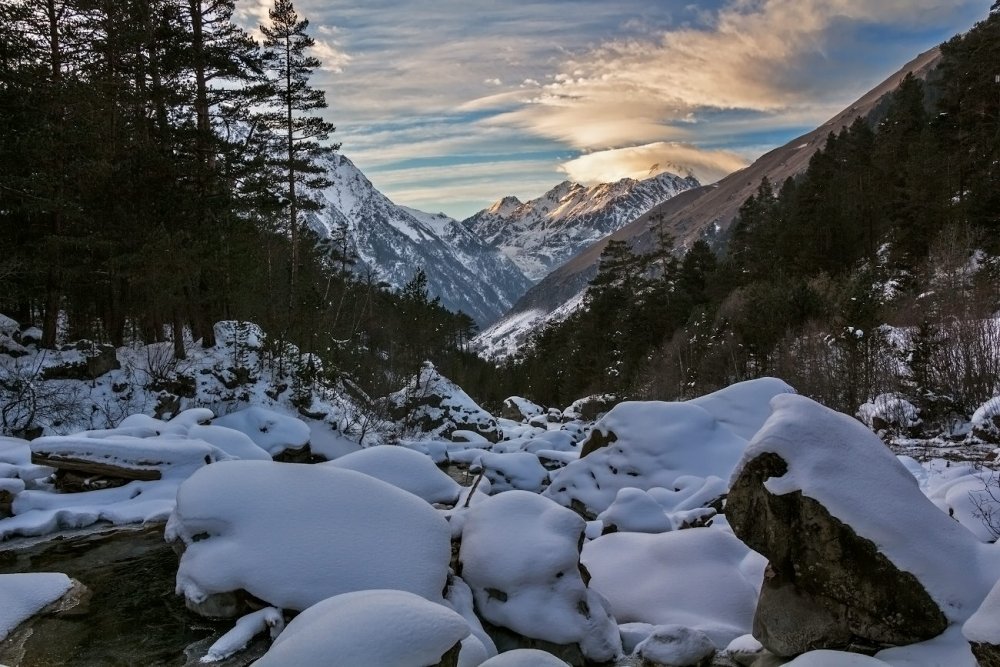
(394, 242)
(541, 234)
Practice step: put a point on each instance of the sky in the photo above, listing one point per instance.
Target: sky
(449, 105)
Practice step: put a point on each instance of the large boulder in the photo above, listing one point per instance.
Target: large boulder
(986, 421)
(858, 555)
(432, 405)
(520, 555)
(521, 409)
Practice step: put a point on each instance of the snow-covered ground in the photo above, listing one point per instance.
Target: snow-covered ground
(604, 540)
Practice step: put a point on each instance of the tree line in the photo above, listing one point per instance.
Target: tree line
(158, 169)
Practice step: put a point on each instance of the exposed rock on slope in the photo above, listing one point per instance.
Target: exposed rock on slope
(543, 233)
(467, 273)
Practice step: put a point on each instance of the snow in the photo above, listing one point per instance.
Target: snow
(24, 595)
(246, 628)
(892, 410)
(836, 461)
(675, 646)
(338, 530)
(825, 658)
(745, 406)
(700, 578)
(170, 454)
(523, 407)
(524, 657)
(635, 511)
(269, 430)
(518, 470)
(655, 444)
(403, 468)
(519, 555)
(388, 628)
(432, 406)
(983, 627)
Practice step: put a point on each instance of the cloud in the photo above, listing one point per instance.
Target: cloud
(333, 59)
(767, 56)
(641, 162)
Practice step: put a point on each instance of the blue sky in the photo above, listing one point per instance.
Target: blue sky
(448, 105)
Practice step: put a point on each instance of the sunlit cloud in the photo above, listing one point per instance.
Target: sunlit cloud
(641, 162)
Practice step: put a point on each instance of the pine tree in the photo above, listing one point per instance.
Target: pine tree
(298, 134)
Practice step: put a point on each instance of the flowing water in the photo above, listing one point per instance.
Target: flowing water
(132, 618)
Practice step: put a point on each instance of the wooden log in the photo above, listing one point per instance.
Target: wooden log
(94, 468)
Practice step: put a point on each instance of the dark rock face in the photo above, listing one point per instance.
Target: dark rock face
(825, 587)
(98, 360)
(987, 655)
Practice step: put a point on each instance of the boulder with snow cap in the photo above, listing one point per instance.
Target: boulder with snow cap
(675, 646)
(986, 421)
(520, 555)
(891, 415)
(982, 630)
(292, 535)
(434, 406)
(589, 408)
(836, 514)
(384, 628)
(524, 657)
(521, 409)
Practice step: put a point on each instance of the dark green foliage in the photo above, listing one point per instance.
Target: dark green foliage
(154, 166)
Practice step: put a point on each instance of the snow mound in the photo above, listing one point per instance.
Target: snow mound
(387, 628)
(293, 535)
(836, 461)
(825, 658)
(675, 645)
(983, 626)
(246, 628)
(271, 431)
(24, 595)
(524, 657)
(635, 511)
(404, 468)
(520, 556)
(890, 412)
(521, 409)
(745, 406)
(517, 470)
(701, 578)
(649, 444)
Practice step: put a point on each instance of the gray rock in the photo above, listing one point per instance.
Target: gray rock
(826, 587)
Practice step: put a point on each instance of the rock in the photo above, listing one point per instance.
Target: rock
(986, 422)
(745, 650)
(828, 584)
(521, 409)
(6, 501)
(891, 415)
(826, 587)
(675, 646)
(589, 408)
(97, 359)
(433, 405)
(982, 630)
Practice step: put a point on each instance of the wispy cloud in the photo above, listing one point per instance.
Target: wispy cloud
(597, 90)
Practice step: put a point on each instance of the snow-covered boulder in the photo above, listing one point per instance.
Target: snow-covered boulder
(982, 630)
(635, 511)
(524, 657)
(589, 408)
(384, 628)
(703, 578)
(520, 556)
(676, 646)
(434, 406)
(238, 334)
(271, 431)
(890, 414)
(293, 535)
(745, 406)
(857, 551)
(986, 421)
(645, 445)
(521, 409)
(125, 456)
(24, 595)
(507, 472)
(404, 468)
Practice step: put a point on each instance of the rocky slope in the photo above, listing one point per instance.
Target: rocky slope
(394, 242)
(542, 234)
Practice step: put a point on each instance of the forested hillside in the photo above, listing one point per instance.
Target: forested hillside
(157, 167)
(874, 271)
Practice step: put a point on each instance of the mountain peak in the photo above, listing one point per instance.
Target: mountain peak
(504, 207)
